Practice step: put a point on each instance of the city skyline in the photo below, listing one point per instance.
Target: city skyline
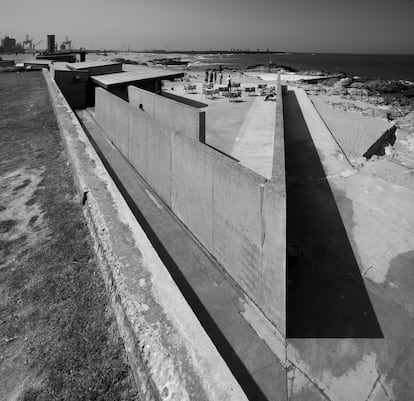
(319, 26)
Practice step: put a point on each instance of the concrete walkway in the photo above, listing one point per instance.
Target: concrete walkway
(217, 304)
(244, 129)
(374, 232)
(326, 295)
(254, 143)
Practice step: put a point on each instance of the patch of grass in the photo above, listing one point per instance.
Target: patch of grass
(56, 299)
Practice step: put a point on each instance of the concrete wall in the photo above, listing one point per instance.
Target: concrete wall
(274, 217)
(73, 85)
(170, 354)
(145, 143)
(238, 215)
(181, 117)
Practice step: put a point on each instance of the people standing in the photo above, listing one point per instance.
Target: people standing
(215, 76)
(206, 77)
(229, 82)
(221, 78)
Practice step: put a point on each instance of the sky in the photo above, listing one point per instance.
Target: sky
(337, 26)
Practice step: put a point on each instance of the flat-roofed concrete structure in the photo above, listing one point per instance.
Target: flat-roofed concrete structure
(37, 64)
(74, 81)
(96, 67)
(144, 78)
(69, 57)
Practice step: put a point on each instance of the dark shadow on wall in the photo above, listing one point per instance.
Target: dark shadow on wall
(326, 295)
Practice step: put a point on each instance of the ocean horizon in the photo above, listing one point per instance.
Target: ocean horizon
(372, 66)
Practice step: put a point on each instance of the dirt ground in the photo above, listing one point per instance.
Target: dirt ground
(58, 336)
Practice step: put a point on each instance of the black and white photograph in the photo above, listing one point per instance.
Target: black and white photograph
(207, 200)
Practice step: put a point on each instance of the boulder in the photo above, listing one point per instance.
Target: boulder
(345, 82)
(358, 92)
(357, 85)
(382, 86)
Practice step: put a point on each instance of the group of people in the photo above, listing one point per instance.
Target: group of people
(212, 76)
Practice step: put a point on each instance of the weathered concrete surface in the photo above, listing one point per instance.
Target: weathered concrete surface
(254, 143)
(145, 143)
(238, 228)
(273, 264)
(366, 130)
(379, 220)
(242, 129)
(332, 157)
(113, 116)
(192, 187)
(219, 200)
(170, 354)
(180, 117)
(226, 314)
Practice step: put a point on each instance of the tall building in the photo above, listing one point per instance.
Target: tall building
(8, 42)
(51, 46)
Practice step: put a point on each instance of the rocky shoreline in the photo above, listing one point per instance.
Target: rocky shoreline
(393, 102)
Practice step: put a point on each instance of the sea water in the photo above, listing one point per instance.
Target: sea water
(399, 67)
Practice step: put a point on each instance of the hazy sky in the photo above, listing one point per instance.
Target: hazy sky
(367, 26)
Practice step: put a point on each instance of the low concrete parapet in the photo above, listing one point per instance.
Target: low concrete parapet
(181, 117)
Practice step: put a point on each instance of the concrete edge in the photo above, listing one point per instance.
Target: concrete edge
(278, 163)
(334, 160)
(171, 356)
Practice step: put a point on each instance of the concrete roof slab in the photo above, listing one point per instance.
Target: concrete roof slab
(127, 78)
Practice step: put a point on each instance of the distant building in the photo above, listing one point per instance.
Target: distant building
(51, 45)
(8, 42)
(9, 45)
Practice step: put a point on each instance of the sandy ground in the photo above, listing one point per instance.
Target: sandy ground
(58, 336)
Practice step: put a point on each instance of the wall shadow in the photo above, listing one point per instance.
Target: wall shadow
(326, 295)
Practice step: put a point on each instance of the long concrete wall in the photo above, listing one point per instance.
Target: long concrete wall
(274, 217)
(181, 117)
(170, 355)
(236, 214)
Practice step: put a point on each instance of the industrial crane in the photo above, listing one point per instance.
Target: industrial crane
(36, 44)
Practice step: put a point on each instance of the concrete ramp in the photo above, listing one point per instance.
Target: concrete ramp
(357, 135)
